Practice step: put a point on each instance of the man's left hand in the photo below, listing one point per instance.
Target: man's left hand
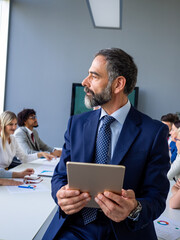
(57, 153)
(117, 207)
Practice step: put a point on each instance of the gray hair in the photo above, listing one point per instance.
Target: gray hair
(119, 63)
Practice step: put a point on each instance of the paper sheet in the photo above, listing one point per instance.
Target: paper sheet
(36, 188)
(46, 173)
(167, 229)
(44, 170)
(44, 167)
(44, 161)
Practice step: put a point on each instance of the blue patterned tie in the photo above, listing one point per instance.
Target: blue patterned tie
(102, 156)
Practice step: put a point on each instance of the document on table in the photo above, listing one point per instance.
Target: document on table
(44, 161)
(167, 229)
(27, 188)
(45, 168)
(45, 172)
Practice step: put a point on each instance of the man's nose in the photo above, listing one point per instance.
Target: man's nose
(86, 82)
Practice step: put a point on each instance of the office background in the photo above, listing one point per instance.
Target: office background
(52, 44)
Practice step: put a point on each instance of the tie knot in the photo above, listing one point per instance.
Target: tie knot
(107, 120)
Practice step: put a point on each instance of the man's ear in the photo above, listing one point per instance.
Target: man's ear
(119, 84)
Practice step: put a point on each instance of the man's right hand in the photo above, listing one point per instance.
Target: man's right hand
(71, 201)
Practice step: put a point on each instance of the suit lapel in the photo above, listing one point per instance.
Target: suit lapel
(36, 143)
(89, 136)
(129, 132)
(29, 137)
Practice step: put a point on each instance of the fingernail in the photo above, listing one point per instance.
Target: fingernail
(85, 195)
(99, 196)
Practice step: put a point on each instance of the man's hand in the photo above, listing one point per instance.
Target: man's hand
(46, 155)
(57, 153)
(117, 207)
(71, 201)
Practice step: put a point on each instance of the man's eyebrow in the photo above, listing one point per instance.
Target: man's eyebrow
(95, 73)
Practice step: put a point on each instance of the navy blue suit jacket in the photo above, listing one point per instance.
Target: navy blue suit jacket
(142, 147)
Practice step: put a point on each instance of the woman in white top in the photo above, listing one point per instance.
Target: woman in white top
(174, 171)
(9, 147)
(174, 201)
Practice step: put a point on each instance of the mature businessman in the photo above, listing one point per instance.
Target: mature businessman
(136, 141)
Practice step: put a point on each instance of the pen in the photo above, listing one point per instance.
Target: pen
(30, 187)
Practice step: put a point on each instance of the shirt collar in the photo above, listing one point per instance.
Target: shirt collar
(29, 131)
(120, 114)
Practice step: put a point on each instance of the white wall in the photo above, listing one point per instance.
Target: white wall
(52, 44)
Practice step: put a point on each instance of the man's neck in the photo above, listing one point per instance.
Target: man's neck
(30, 128)
(115, 104)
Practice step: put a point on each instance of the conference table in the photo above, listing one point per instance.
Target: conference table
(172, 218)
(25, 214)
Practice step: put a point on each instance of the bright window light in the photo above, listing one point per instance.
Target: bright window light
(4, 23)
(105, 13)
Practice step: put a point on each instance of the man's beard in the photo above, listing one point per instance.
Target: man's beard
(99, 99)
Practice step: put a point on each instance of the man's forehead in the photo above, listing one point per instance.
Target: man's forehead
(98, 64)
(99, 59)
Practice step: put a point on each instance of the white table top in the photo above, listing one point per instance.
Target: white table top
(23, 214)
(172, 214)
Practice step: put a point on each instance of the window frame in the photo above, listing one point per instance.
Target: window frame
(4, 30)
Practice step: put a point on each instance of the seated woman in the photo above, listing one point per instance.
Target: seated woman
(173, 132)
(174, 201)
(169, 119)
(8, 144)
(174, 172)
(7, 174)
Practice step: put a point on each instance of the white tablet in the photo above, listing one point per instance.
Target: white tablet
(95, 178)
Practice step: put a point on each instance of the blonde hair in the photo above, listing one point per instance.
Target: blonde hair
(6, 118)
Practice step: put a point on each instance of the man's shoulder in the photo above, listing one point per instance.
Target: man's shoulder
(35, 132)
(146, 120)
(20, 131)
(86, 115)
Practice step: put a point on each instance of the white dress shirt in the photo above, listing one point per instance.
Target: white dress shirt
(11, 150)
(116, 127)
(30, 132)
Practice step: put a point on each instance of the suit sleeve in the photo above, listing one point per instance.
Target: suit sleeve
(21, 138)
(155, 186)
(43, 147)
(20, 154)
